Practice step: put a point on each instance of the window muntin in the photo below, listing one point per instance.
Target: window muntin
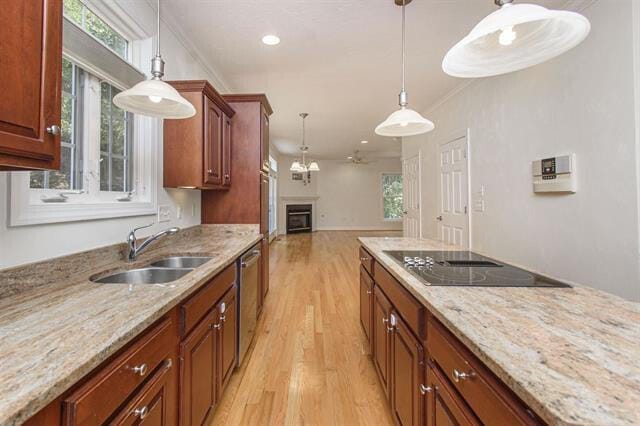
(91, 23)
(116, 145)
(392, 206)
(70, 175)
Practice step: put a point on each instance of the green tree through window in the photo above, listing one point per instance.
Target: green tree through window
(392, 196)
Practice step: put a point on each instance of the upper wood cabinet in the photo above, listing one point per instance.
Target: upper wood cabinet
(247, 201)
(197, 150)
(30, 84)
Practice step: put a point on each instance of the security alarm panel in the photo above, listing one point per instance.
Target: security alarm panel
(555, 174)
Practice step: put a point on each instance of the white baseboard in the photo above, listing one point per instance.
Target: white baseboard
(355, 228)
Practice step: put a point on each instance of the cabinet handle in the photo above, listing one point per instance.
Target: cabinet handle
(210, 171)
(364, 259)
(141, 412)
(390, 329)
(368, 291)
(141, 369)
(457, 375)
(425, 389)
(227, 177)
(53, 130)
(217, 326)
(385, 320)
(223, 318)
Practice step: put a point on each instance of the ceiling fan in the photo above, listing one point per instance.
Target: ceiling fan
(356, 158)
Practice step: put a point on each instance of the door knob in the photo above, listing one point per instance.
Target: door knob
(439, 218)
(53, 130)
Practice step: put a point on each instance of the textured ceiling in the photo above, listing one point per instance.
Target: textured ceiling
(338, 60)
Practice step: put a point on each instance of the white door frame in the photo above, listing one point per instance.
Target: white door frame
(419, 156)
(466, 133)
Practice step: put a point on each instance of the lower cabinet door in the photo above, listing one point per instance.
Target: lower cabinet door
(228, 335)
(407, 370)
(381, 341)
(198, 371)
(444, 406)
(366, 299)
(155, 403)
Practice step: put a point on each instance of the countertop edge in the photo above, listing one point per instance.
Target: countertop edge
(27, 409)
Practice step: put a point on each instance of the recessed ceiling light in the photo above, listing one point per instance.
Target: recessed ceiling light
(349, 157)
(364, 141)
(271, 40)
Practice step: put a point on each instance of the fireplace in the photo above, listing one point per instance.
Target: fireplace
(299, 218)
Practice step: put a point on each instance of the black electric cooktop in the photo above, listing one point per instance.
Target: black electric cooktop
(465, 268)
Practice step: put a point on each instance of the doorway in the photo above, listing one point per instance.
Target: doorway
(411, 196)
(453, 192)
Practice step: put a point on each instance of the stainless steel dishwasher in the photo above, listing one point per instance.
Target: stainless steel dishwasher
(249, 274)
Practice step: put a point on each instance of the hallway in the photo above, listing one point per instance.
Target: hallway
(309, 362)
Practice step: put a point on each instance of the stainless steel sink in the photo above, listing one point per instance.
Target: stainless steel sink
(182, 262)
(145, 276)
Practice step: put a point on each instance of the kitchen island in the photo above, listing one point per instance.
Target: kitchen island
(571, 355)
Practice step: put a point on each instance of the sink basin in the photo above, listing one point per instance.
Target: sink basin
(145, 276)
(182, 262)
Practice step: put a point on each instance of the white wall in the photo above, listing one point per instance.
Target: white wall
(19, 245)
(582, 103)
(350, 196)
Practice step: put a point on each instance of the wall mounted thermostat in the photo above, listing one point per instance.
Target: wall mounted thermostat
(555, 174)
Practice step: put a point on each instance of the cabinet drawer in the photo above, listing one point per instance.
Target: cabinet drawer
(411, 311)
(155, 403)
(367, 260)
(197, 306)
(103, 393)
(489, 398)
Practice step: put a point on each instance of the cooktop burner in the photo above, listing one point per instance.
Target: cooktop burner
(465, 268)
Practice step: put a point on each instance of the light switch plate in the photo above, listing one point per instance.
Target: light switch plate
(164, 213)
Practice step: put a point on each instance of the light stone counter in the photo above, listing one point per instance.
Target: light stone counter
(571, 354)
(56, 326)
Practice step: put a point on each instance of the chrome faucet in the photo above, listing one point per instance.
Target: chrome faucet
(134, 250)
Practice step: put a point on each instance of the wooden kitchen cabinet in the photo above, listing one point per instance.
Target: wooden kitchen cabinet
(198, 150)
(30, 83)
(228, 336)
(366, 303)
(444, 406)
(381, 340)
(198, 372)
(407, 369)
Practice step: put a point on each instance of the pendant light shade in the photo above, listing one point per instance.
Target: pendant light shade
(515, 37)
(313, 167)
(154, 97)
(302, 166)
(405, 121)
(295, 167)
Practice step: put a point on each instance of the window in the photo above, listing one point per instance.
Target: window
(392, 196)
(115, 143)
(77, 12)
(108, 156)
(70, 175)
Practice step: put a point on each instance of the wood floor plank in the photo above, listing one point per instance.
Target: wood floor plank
(309, 363)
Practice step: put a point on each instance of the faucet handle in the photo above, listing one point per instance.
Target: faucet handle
(142, 227)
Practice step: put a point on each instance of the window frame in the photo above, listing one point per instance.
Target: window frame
(25, 204)
(382, 176)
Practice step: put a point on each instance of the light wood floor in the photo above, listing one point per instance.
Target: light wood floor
(309, 363)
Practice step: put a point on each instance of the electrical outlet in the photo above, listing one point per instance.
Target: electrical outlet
(164, 213)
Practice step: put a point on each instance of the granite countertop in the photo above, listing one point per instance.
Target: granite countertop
(56, 325)
(571, 354)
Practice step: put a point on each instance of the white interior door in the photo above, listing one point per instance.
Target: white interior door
(411, 197)
(453, 193)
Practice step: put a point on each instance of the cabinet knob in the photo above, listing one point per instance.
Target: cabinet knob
(141, 369)
(53, 130)
(141, 412)
(457, 375)
(227, 177)
(210, 171)
(425, 389)
(217, 326)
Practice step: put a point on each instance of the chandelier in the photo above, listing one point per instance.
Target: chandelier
(301, 166)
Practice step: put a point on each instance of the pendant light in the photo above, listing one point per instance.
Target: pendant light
(154, 97)
(405, 121)
(302, 166)
(515, 37)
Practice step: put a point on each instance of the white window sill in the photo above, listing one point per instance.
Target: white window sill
(392, 220)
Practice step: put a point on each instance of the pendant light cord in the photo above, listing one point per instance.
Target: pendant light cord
(403, 42)
(158, 31)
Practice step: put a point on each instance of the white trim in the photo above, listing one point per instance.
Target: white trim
(356, 228)
(635, 18)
